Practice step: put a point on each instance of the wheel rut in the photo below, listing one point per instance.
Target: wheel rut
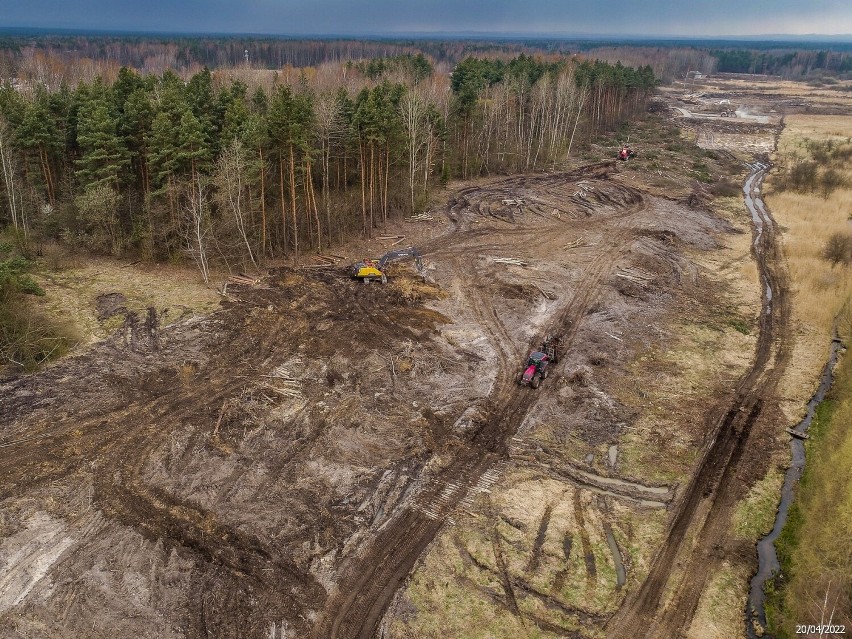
(370, 579)
(708, 501)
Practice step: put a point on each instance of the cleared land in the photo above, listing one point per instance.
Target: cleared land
(322, 458)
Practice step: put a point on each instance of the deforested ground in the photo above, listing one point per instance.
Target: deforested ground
(319, 457)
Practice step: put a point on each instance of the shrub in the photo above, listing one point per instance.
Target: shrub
(27, 339)
(802, 177)
(725, 188)
(829, 181)
(838, 249)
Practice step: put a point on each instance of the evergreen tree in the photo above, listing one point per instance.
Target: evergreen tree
(42, 141)
(135, 126)
(103, 154)
(162, 143)
(234, 114)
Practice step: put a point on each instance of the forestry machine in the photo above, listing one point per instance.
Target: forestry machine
(626, 153)
(371, 270)
(538, 363)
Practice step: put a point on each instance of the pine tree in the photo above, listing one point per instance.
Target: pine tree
(235, 113)
(103, 154)
(257, 143)
(135, 126)
(41, 139)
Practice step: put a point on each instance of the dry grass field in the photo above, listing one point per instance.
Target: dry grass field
(815, 548)
(808, 220)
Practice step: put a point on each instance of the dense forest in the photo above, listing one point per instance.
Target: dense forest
(50, 58)
(788, 64)
(237, 167)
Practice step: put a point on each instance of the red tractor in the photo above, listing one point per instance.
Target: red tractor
(538, 363)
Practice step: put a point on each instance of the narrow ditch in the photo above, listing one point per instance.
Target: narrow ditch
(620, 572)
(768, 565)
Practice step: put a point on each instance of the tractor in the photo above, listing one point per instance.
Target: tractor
(538, 363)
(626, 153)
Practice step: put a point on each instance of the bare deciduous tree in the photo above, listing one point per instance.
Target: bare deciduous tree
(198, 227)
(229, 179)
(9, 167)
(330, 130)
(413, 111)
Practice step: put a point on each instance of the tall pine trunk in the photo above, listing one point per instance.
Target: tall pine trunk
(293, 203)
(372, 185)
(363, 157)
(387, 179)
(262, 206)
(312, 199)
(283, 201)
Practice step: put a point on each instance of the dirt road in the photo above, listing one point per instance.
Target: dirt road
(734, 452)
(372, 578)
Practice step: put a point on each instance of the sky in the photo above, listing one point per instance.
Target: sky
(697, 18)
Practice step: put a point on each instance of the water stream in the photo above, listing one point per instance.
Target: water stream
(768, 567)
(767, 559)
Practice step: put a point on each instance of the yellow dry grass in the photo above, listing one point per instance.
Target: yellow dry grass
(819, 291)
(72, 292)
(814, 541)
(826, 95)
(719, 613)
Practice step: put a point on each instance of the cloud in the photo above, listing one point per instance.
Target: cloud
(616, 17)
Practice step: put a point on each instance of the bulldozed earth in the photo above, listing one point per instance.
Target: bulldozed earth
(320, 457)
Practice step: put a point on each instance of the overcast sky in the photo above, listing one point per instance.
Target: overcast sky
(339, 17)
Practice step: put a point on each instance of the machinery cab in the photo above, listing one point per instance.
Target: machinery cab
(368, 270)
(537, 365)
(536, 369)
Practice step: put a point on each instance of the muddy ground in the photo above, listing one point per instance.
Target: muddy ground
(236, 471)
(324, 458)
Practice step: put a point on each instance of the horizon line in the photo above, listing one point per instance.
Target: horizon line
(462, 34)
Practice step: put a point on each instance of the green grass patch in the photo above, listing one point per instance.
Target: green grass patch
(755, 515)
(815, 547)
(702, 173)
(740, 326)
(28, 338)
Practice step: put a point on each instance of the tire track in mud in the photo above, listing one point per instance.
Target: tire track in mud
(369, 581)
(248, 573)
(487, 317)
(115, 448)
(709, 499)
(241, 580)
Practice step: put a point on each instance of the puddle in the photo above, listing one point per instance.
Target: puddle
(754, 204)
(620, 572)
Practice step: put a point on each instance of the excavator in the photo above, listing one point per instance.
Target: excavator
(374, 270)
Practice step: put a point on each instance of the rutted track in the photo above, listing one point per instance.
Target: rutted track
(705, 508)
(372, 578)
(140, 434)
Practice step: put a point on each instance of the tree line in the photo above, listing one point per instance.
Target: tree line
(214, 168)
(788, 64)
